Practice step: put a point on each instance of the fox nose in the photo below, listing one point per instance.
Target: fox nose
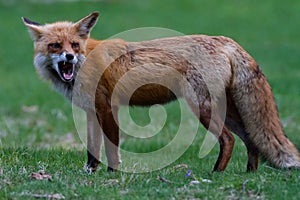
(69, 56)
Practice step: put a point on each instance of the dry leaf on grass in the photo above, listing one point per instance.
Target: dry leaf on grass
(111, 182)
(30, 109)
(40, 176)
(47, 196)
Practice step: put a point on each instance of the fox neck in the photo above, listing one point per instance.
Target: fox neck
(91, 44)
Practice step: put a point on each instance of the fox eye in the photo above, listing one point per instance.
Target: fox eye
(54, 45)
(75, 45)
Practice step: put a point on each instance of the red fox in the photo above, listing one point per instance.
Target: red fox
(211, 66)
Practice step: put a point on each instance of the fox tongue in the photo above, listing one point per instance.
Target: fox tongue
(67, 71)
(68, 76)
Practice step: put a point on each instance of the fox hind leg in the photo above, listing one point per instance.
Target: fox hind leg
(215, 125)
(252, 151)
(226, 141)
(225, 138)
(235, 124)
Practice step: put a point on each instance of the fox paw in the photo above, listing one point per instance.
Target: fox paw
(92, 166)
(109, 169)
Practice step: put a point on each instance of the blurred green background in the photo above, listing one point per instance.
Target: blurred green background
(34, 115)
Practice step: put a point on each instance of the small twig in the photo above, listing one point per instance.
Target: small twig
(162, 179)
(272, 168)
(244, 185)
(181, 166)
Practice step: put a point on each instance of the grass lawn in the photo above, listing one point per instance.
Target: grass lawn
(37, 131)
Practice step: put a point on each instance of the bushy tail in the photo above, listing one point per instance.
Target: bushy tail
(256, 105)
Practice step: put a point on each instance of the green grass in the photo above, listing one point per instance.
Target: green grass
(46, 138)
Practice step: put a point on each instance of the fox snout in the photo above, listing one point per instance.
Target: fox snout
(69, 56)
(64, 64)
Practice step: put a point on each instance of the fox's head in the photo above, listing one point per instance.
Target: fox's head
(59, 48)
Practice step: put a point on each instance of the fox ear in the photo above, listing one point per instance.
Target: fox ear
(85, 25)
(35, 29)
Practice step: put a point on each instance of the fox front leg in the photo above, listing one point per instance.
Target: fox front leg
(94, 141)
(109, 125)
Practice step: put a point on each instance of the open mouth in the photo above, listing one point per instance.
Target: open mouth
(66, 70)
